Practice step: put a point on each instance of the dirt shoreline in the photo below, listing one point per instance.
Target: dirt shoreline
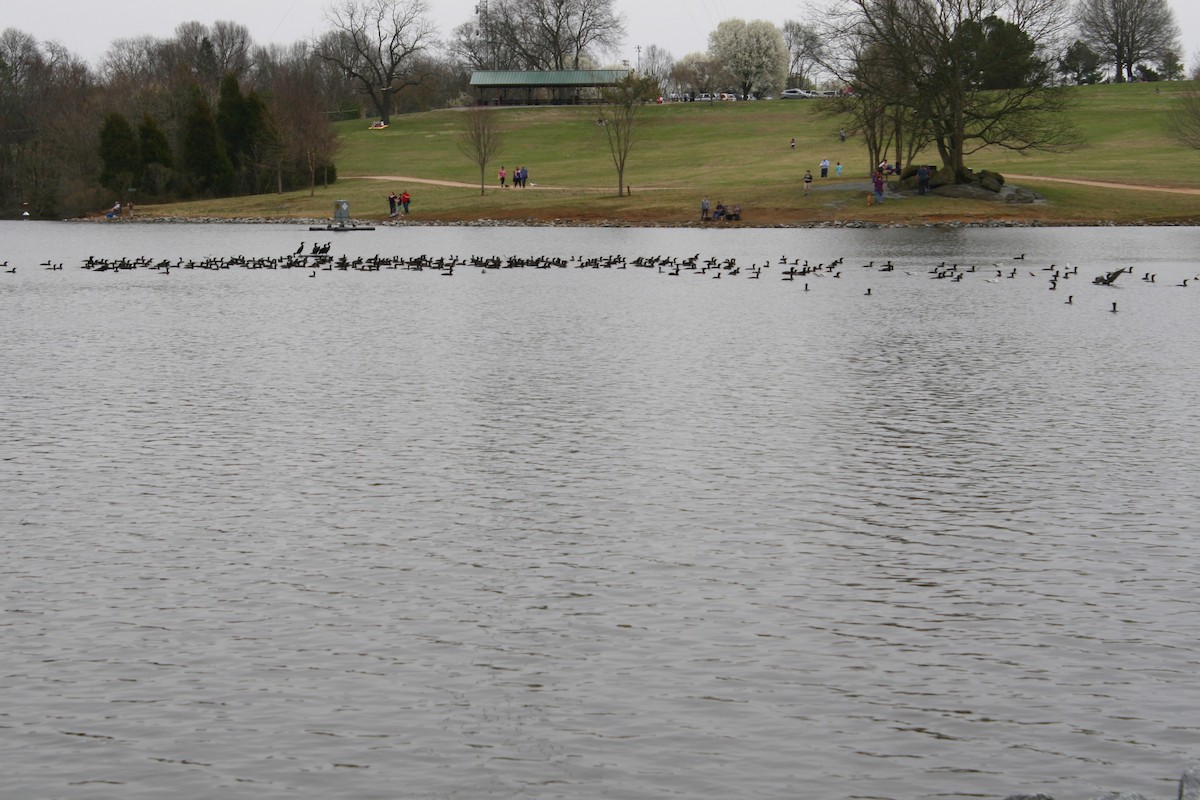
(992, 214)
(765, 221)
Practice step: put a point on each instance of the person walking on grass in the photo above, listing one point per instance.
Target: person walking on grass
(503, 175)
(808, 179)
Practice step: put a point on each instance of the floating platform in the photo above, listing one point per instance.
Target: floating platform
(341, 228)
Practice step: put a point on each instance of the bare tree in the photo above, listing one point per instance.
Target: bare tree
(193, 59)
(374, 43)
(1184, 120)
(232, 47)
(698, 73)
(883, 115)
(49, 125)
(620, 110)
(470, 45)
(656, 63)
(804, 52)
(480, 139)
(301, 140)
(549, 34)
(1128, 31)
(974, 77)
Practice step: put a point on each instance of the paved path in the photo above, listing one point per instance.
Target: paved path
(1103, 184)
(839, 186)
(461, 185)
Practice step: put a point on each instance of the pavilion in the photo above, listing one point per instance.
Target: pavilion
(534, 87)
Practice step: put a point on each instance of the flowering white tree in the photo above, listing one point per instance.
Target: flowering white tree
(753, 53)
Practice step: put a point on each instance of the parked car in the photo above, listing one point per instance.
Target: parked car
(704, 97)
(829, 93)
(797, 94)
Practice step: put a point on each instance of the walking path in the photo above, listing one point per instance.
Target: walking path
(842, 186)
(461, 185)
(1103, 184)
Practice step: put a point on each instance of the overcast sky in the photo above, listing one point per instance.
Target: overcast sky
(678, 26)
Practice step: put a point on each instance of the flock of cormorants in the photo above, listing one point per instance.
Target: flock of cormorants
(318, 258)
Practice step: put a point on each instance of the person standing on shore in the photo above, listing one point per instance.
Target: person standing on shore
(877, 183)
(405, 198)
(704, 208)
(392, 204)
(922, 179)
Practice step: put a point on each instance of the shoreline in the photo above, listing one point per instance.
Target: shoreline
(568, 222)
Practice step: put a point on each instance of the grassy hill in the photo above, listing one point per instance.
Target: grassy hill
(737, 153)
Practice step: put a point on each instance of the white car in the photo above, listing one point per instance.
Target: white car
(797, 94)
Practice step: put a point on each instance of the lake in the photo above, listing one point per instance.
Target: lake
(597, 530)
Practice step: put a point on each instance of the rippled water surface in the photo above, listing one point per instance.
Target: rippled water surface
(593, 532)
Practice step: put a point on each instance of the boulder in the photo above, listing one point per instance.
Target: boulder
(1019, 194)
(966, 191)
(991, 184)
(991, 177)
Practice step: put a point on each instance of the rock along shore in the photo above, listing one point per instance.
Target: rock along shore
(566, 222)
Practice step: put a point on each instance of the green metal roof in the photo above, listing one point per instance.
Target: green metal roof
(539, 78)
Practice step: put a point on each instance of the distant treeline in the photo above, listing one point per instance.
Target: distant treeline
(206, 113)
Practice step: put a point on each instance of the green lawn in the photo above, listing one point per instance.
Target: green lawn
(739, 153)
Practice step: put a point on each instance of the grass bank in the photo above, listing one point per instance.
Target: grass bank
(738, 153)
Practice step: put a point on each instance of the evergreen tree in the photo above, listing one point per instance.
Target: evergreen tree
(157, 159)
(231, 117)
(1170, 67)
(204, 161)
(263, 145)
(246, 130)
(155, 147)
(119, 154)
(1080, 64)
